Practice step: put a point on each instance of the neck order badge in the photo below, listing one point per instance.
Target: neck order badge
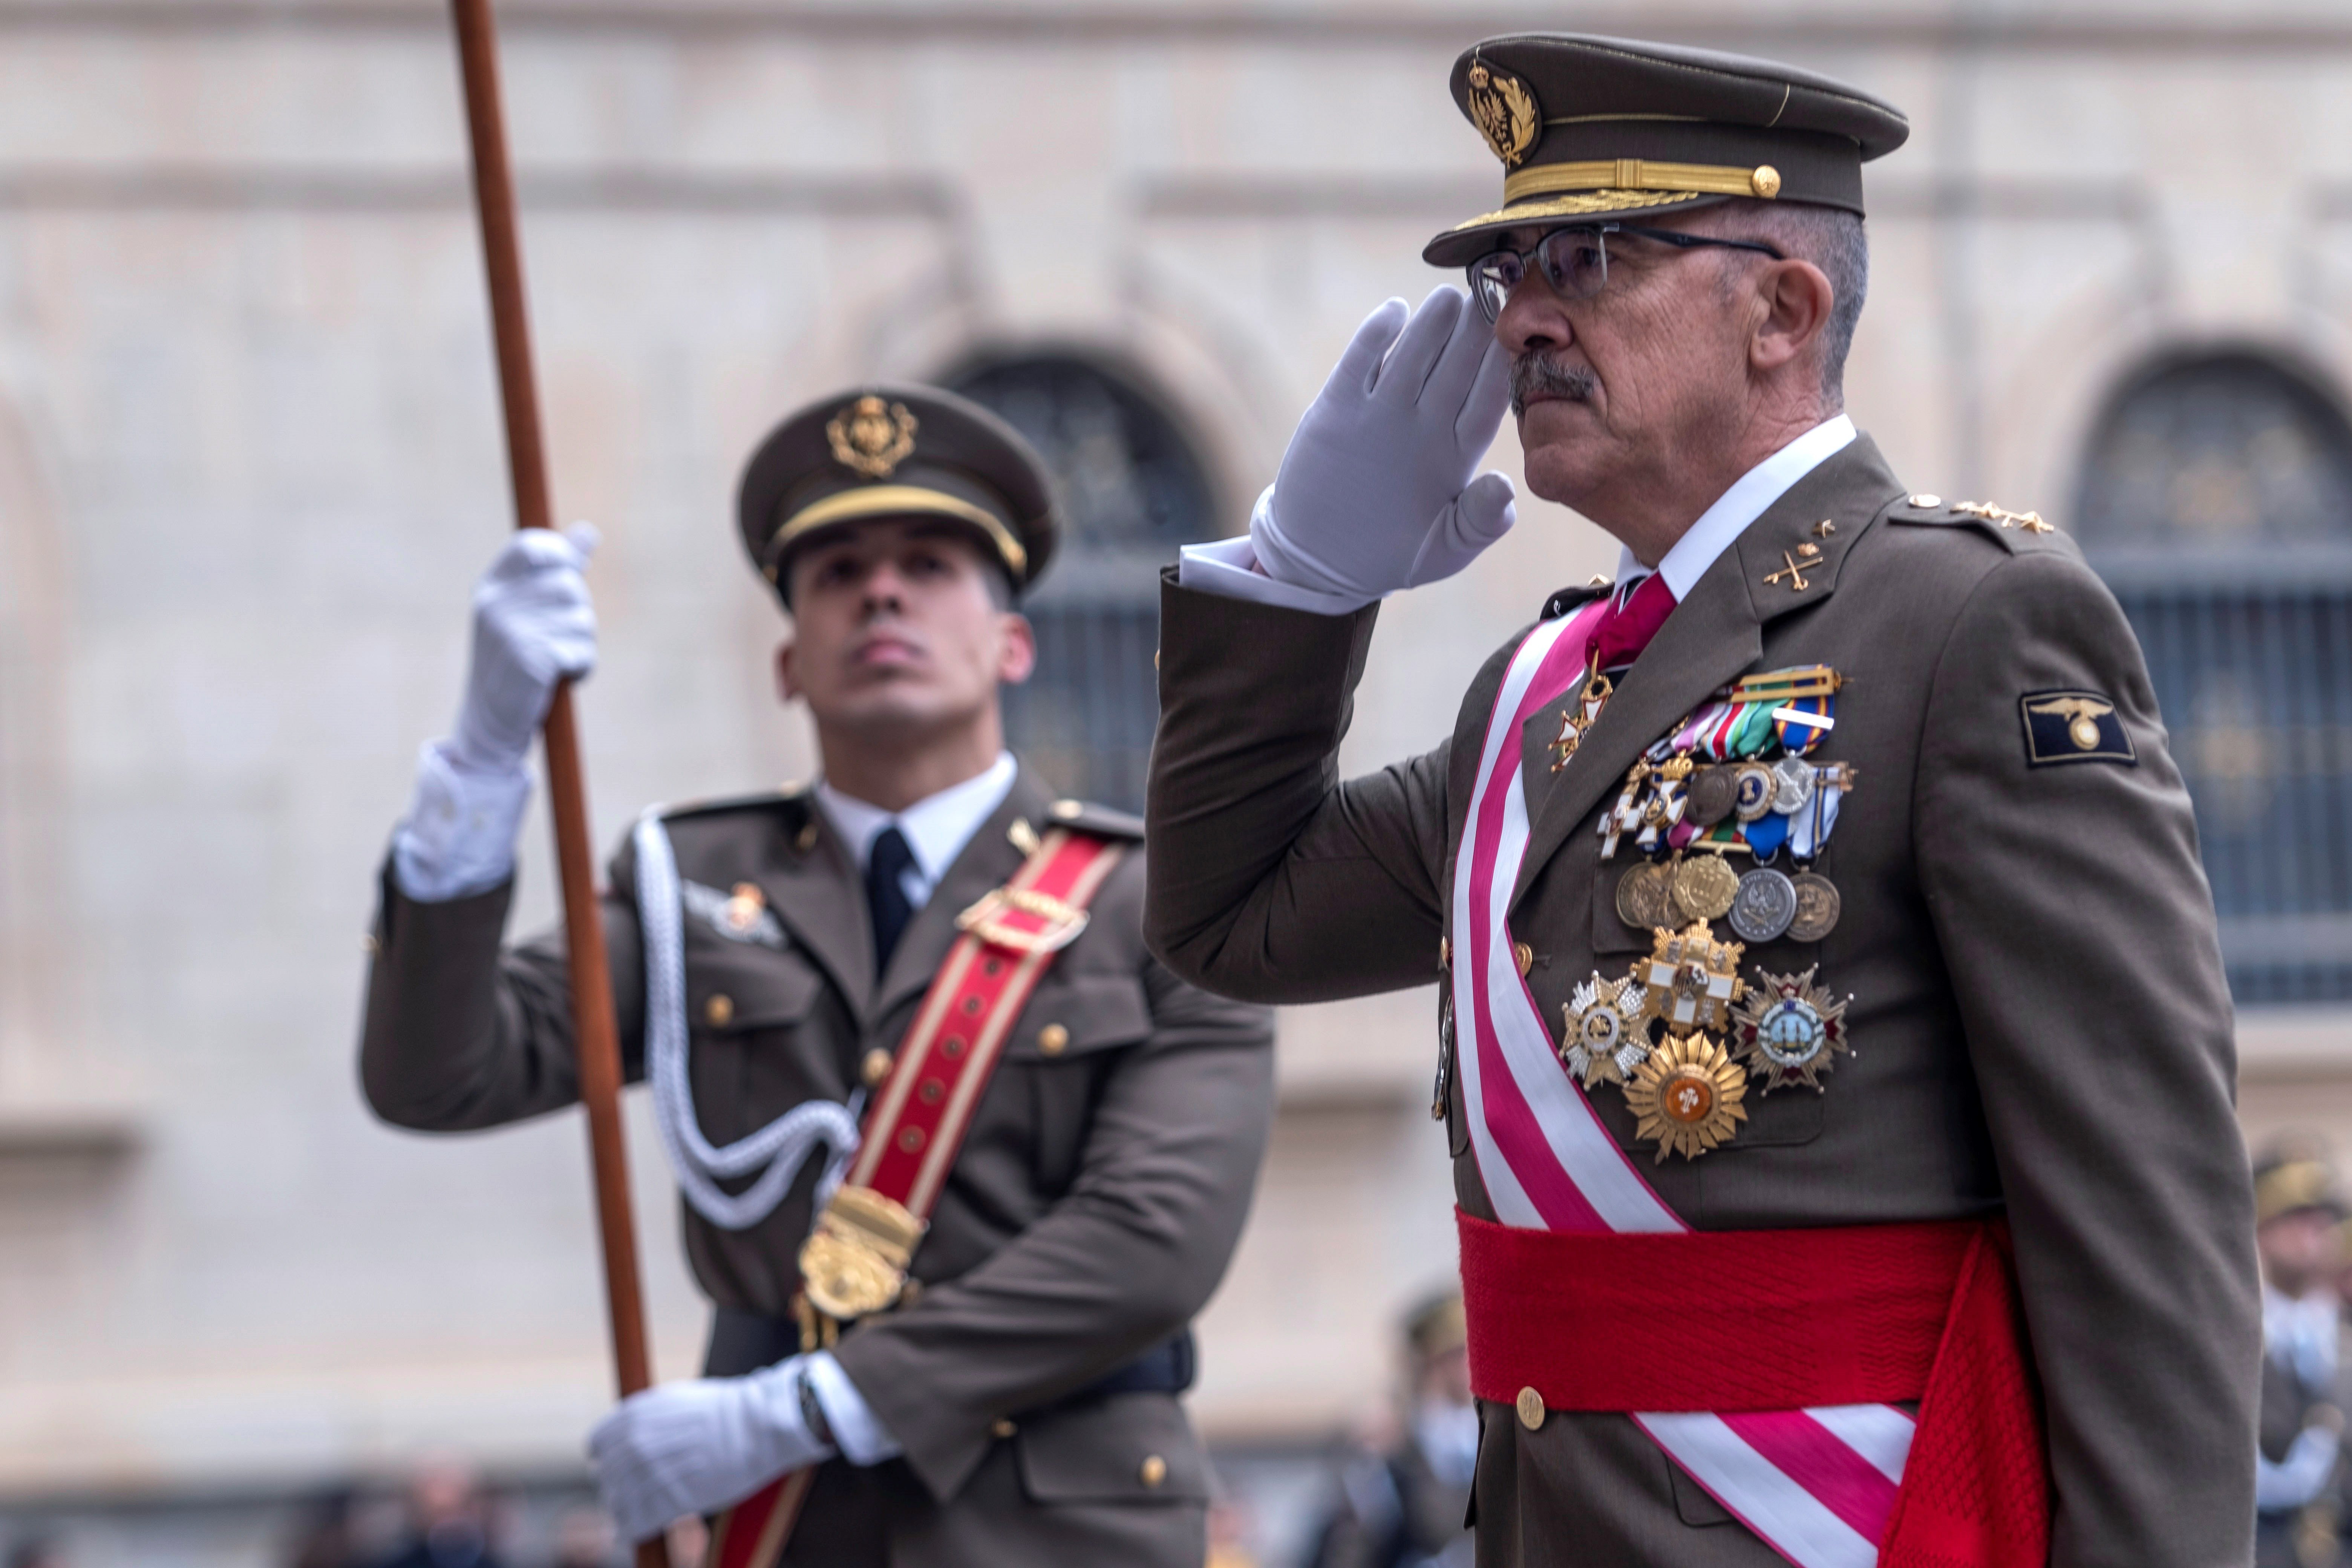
(855, 1259)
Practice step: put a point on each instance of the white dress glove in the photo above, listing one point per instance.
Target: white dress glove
(1375, 493)
(695, 1448)
(533, 625)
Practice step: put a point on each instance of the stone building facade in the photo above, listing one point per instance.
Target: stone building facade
(249, 461)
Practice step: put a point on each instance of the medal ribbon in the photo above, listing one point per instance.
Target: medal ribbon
(1818, 1486)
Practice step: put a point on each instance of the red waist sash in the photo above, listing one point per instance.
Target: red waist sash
(1789, 1319)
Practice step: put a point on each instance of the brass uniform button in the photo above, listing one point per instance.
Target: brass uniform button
(1154, 1470)
(1445, 952)
(1053, 1039)
(1765, 181)
(806, 840)
(875, 1068)
(1067, 810)
(719, 1010)
(1001, 1427)
(1531, 1409)
(1525, 954)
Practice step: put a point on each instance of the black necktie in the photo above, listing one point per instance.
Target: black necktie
(886, 865)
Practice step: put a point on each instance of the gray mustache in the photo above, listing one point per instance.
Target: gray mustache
(1534, 375)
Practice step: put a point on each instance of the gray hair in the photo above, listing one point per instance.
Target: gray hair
(1832, 239)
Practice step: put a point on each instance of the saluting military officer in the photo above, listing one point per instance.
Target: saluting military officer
(1009, 1392)
(1835, 1050)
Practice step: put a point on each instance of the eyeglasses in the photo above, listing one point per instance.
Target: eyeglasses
(1575, 261)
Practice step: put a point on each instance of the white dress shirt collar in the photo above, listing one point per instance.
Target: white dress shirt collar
(1742, 504)
(937, 827)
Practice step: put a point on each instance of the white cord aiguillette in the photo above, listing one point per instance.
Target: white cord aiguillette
(778, 1151)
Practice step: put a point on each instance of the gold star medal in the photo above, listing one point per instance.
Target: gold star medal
(1690, 980)
(1686, 1096)
(1607, 1032)
(1790, 1029)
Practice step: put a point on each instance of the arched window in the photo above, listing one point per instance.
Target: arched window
(2217, 502)
(1132, 492)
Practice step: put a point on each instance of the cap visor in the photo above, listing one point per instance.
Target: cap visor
(1466, 242)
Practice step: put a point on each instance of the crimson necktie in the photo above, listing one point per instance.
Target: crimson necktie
(1627, 627)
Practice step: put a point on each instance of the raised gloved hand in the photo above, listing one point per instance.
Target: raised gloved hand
(533, 625)
(1375, 493)
(697, 1446)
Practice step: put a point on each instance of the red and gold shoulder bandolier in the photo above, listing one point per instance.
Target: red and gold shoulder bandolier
(855, 1261)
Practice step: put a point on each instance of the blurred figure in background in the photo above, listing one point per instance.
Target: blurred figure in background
(37, 1551)
(324, 1538)
(1402, 1500)
(449, 1519)
(584, 1539)
(2298, 1213)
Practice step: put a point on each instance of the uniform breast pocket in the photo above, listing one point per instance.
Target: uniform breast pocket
(1128, 1448)
(1063, 1047)
(747, 1009)
(1078, 1015)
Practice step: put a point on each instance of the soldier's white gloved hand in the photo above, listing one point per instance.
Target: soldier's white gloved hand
(1375, 493)
(695, 1448)
(533, 625)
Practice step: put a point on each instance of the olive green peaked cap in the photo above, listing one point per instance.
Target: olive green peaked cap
(896, 452)
(1614, 129)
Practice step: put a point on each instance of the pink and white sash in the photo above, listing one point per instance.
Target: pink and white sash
(1819, 1485)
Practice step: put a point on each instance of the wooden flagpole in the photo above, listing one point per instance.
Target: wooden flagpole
(597, 1034)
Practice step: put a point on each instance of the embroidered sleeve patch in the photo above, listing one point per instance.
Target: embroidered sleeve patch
(2073, 727)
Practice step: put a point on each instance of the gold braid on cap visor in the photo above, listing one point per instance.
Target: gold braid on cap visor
(881, 501)
(1638, 174)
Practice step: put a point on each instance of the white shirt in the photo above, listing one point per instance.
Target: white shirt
(1227, 566)
(937, 826)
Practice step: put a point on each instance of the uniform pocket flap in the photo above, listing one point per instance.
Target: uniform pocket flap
(1128, 1447)
(1085, 1013)
(755, 991)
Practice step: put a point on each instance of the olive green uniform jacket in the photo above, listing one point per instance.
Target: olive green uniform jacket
(2040, 1023)
(1092, 1211)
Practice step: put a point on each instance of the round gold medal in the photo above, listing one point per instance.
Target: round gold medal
(1752, 787)
(1705, 886)
(1645, 895)
(1818, 907)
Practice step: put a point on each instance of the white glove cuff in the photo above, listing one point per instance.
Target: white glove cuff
(861, 1437)
(1230, 567)
(458, 837)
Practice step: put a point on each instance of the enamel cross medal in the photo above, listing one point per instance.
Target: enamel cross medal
(1581, 716)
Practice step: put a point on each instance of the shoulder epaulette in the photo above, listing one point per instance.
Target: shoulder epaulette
(794, 796)
(1568, 599)
(2016, 531)
(1087, 817)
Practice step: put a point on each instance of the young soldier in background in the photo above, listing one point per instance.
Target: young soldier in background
(1017, 1401)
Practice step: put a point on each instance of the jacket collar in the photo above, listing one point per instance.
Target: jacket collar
(989, 860)
(1714, 635)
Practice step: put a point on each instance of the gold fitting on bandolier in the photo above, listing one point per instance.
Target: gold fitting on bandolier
(1064, 921)
(854, 1261)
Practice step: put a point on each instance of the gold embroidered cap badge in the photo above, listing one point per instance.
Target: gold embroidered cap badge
(1505, 111)
(872, 437)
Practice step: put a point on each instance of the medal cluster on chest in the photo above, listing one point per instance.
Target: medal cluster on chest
(1726, 812)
